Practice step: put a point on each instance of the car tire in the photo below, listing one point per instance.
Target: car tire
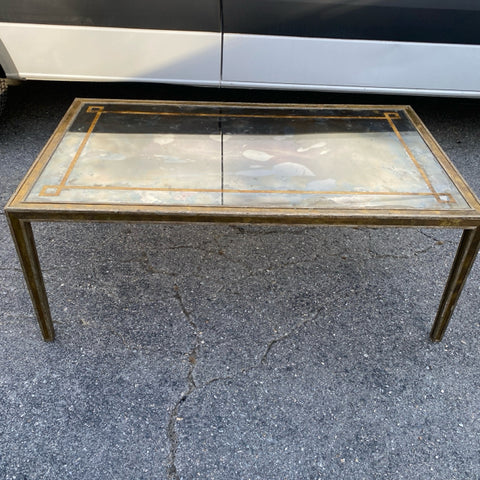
(3, 93)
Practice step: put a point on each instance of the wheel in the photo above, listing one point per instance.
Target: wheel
(3, 93)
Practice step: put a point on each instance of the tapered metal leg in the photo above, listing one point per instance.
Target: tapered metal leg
(466, 253)
(27, 253)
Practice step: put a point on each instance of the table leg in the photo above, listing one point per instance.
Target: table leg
(466, 253)
(27, 253)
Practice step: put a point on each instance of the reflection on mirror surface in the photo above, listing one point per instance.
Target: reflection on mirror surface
(245, 157)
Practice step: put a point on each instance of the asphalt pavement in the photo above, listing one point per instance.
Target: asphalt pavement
(236, 352)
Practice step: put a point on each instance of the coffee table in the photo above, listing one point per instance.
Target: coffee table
(152, 161)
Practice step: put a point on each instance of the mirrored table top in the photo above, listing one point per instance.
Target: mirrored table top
(244, 156)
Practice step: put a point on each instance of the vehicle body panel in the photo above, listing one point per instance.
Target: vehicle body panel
(385, 46)
(351, 65)
(63, 52)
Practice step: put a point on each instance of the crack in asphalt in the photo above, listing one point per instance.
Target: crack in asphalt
(173, 418)
(172, 433)
(439, 242)
(413, 254)
(285, 336)
(268, 348)
(281, 229)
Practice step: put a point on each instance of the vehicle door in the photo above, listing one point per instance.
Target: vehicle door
(154, 41)
(397, 46)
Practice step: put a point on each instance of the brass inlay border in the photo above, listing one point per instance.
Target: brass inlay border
(94, 109)
(55, 190)
(412, 157)
(44, 192)
(98, 112)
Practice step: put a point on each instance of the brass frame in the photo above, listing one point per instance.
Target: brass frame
(21, 213)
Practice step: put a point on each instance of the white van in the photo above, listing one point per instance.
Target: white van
(426, 47)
